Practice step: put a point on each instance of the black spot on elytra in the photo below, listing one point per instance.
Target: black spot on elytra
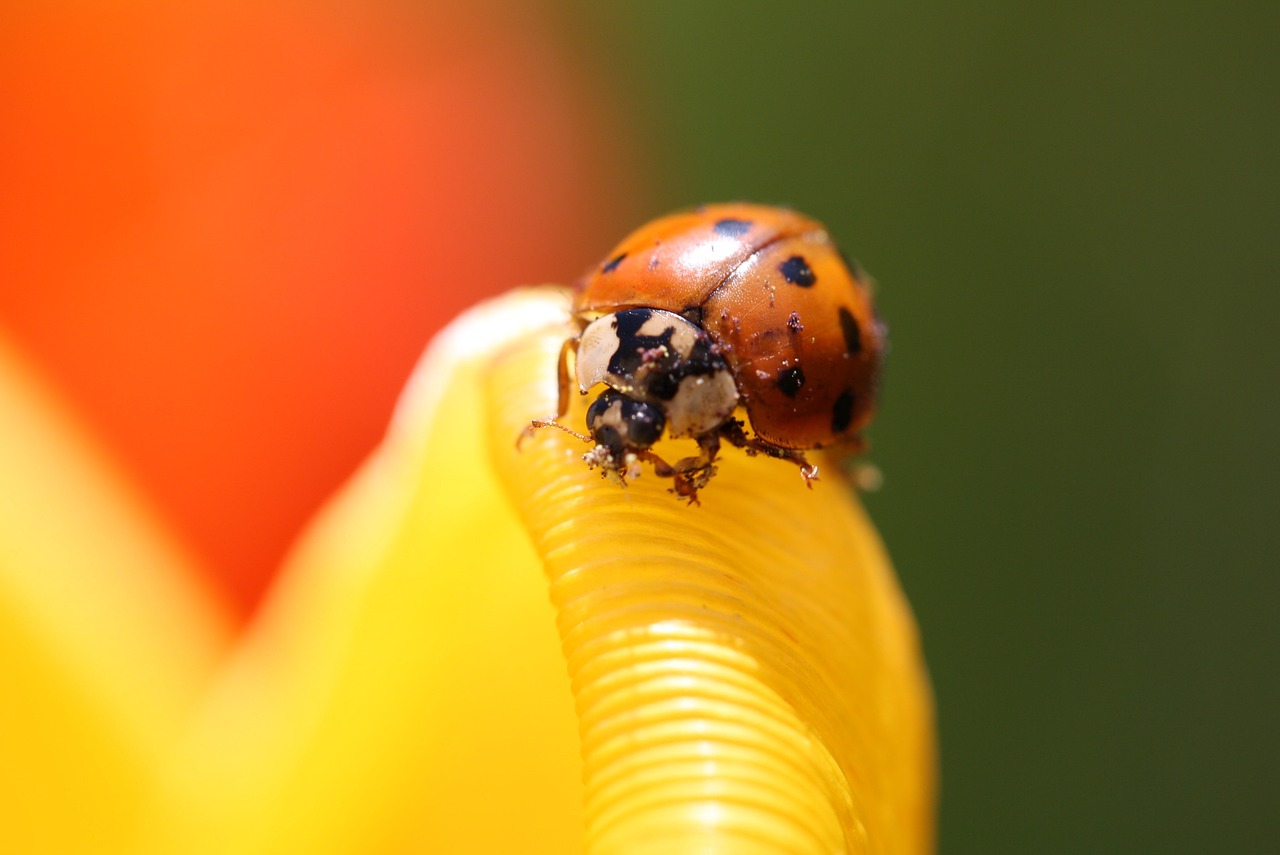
(842, 412)
(852, 335)
(612, 264)
(732, 228)
(793, 322)
(790, 380)
(796, 271)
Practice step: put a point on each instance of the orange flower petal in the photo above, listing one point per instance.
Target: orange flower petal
(105, 637)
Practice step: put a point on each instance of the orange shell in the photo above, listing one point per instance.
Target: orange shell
(794, 322)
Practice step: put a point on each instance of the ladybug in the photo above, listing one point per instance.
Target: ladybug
(703, 313)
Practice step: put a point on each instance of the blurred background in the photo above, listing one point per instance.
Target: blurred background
(227, 231)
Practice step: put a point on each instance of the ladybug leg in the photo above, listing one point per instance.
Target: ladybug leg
(562, 403)
(733, 432)
(562, 374)
(808, 471)
(663, 469)
(689, 474)
(684, 484)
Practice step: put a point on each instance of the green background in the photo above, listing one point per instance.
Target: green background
(1072, 213)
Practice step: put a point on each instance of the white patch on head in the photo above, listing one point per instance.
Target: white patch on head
(702, 404)
(598, 344)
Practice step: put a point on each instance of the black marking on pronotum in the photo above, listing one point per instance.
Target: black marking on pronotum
(663, 373)
(842, 412)
(730, 227)
(852, 335)
(612, 264)
(793, 322)
(791, 380)
(632, 346)
(662, 385)
(796, 271)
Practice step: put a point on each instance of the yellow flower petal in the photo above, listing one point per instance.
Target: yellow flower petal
(744, 674)
(105, 636)
(404, 689)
